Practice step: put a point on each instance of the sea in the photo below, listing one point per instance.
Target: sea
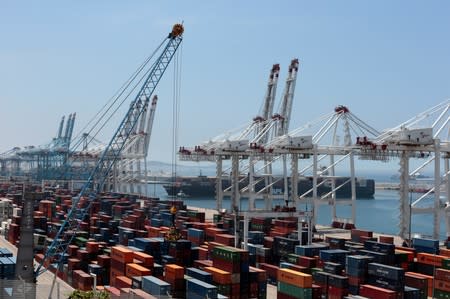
(379, 214)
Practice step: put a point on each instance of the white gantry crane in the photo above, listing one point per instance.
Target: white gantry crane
(426, 137)
(132, 169)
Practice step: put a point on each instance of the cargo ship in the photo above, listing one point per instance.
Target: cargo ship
(205, 186)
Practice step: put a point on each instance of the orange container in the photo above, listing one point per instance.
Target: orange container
(219, 276)
(444, 252)
(137, 270)
(430, 259)
(173, 271)
(122, 282)
(122, 254)
(146, 259)
(296, 278)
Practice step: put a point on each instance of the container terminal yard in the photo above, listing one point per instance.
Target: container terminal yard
(81, 221)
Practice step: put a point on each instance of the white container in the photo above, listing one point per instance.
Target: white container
(17, 212)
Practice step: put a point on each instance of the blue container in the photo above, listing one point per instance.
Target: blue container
(356, 272)
(310, 250)
(333, 268)
(424, 249)
(96, 269)
(430, 243)
(380, 247)
(389, 272)
(155, 222)
(379, 257)
(358, 261)
(195, 287)
(334, 255)
(167, 259)
(8, 268)
(4, 252)
(320, 278)
(199, 274)
(411, 293)
(386, 283)
(155, 286)
(338, 281)
(286, 265)
(196, 233)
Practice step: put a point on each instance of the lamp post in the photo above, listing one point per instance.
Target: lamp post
(94, 287)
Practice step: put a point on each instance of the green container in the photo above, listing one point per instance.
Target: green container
(80, 241)
(293, 258)
(224, 289)
(314, 270)
(294, 291)
(446, 264)
(441, 294)
(217, 218)
(228, 254)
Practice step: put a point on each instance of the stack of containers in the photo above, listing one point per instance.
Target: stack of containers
(383, 253)
(236, 262)
(360, 236)
(261, 224)
(180, 251)
(199, 274)
(174, 275)
(337, 286)
(120, 257)
(423, 283)
(369, 291)
(283, 227)
(196, 236)
(427, 262)
(155, 286)
(282, 247)
(356, 270)
(442, 283)
(387, 277)
(293, 284)
(196, 289)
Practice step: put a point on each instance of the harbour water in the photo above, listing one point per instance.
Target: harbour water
(380, 214)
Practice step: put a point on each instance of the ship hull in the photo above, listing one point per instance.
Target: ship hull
(206, 187)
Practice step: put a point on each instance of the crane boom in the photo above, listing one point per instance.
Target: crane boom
(111, 154)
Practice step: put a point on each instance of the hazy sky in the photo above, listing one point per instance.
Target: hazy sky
(385, 60)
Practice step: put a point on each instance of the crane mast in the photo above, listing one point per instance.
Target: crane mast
(288, 96)
(111, 154)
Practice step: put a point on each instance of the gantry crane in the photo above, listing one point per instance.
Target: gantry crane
(99, 177)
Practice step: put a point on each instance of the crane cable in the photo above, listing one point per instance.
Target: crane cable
(173, 234)
(114, 99)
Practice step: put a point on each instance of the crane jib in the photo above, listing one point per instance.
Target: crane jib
(110, 155)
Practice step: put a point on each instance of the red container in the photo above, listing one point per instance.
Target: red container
(308, 262)
(442, 274)
(72, 250)
(104, 261)
(336, 293)
(376, 292)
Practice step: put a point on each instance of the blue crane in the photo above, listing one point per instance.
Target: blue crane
(99, 177)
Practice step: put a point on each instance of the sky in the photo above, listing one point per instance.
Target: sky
(386, 60)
